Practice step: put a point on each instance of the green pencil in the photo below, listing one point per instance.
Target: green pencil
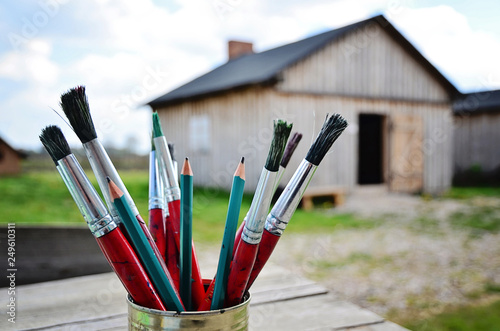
(186, 232)
(226, 250)
(161, 281)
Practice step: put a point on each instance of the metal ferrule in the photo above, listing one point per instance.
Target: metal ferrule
(282, 212)
(281, 171)
(166, 168)
(156, 197)
(256, 217)
(102, 166)
(176, 170)
(86, 198)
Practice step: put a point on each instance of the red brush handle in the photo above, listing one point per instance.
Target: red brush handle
(128, 268)
(172, 254)
(197, 290)
(157, 229)
(266, 247)
(156, 252)
(207, 300)
(239, 272)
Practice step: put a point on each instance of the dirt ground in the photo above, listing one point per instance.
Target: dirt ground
(414, 263)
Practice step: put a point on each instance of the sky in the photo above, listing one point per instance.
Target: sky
(129, 52)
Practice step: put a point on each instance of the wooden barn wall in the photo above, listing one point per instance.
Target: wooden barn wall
(241, 125)
(476, 141)
(340, 167)
(366, 62)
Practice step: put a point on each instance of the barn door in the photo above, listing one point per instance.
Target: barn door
(406, 159)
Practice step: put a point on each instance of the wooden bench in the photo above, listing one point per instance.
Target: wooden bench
(335, 192)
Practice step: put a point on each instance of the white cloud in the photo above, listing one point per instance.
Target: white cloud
(31, 64)
(444, 36)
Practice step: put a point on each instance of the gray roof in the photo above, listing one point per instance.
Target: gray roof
(478, 102)
(265, 67)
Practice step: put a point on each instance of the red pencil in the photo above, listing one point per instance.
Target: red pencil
(109, 237)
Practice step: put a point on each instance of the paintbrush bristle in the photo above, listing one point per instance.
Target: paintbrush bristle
(331, 130)
(54, 142)
(75, 105)
(171, 150)
(280, 136)
(157, 131)
(153, 148)
(290, 148)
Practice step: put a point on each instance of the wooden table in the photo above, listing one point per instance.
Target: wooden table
(280, 301)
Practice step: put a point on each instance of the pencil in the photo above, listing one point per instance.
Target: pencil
(76, 107)
(116, 249)
(173, 198)
(161, 279)
(226, 251)
(287, 203)
(246, 252)
(186, 232)
(157, 212)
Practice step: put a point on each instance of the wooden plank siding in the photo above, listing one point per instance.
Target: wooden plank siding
(476, 141)
(368, 63)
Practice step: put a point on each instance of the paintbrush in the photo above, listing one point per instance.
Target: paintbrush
(76, 107)
(292, 144)
(118, 252)
(172, 192)
(245, 253)
(156, 204)
(282, 211)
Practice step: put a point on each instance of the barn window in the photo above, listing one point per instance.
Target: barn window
(199, 133)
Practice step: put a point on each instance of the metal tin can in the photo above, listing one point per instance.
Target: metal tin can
(233, 318)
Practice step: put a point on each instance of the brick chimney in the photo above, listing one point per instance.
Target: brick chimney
(238, 48)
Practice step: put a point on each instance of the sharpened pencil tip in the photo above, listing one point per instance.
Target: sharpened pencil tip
(242, 159)
(108, 179)
(187, 159)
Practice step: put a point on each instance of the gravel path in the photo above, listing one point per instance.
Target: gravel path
(415, 263)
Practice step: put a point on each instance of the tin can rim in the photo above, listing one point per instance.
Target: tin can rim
(172, 313)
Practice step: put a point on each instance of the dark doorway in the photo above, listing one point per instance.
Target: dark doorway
(370, 160)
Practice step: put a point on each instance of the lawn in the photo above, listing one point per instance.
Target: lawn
(42, 198)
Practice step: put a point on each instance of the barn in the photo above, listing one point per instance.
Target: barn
(476, 132)
(398, 105)
(10, 159)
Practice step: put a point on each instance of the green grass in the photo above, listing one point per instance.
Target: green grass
(42, 198)
(484, 318)
(478, 219)
(472, 192)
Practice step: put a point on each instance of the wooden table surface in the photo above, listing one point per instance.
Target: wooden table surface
(280, 301)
